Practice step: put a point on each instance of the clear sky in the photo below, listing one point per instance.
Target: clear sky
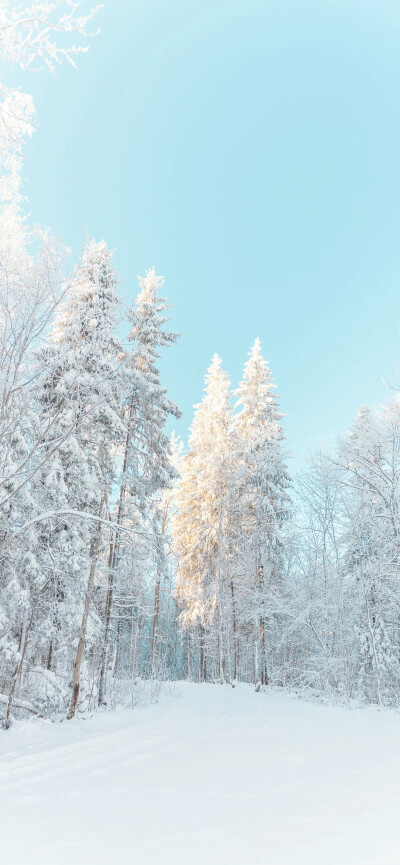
(249, 149)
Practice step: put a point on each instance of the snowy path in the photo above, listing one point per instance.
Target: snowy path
(210, 776)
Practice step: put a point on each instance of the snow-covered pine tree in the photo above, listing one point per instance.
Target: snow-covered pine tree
(263, 501)
(80, 404)
(146, 467)
(202, 526)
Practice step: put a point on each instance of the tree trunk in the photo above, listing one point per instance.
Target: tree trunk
(261, 630)
(155, 624)
(17, 674)
(189, 657)
(107, 625)
(220, 617)
(82, 637)
(157, 598)
(112, 561)
(263, 660)
(235, 635)
(49, 656)
(202, 656)
(19, 668)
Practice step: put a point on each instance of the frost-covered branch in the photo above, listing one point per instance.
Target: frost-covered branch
(48, 515)
(30, 34)
(33, 36)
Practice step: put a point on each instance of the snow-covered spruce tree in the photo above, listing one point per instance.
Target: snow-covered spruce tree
(146, 469)
(262, 501)
(201, 529)
(187, 535)
(80, 405)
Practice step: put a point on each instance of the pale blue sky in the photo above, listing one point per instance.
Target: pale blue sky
(249, 149)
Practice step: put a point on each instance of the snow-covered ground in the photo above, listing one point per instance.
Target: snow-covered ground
(209, 776)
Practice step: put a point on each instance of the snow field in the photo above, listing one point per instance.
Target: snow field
(208, 776)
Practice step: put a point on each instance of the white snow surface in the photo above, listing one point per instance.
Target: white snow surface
(210, 775)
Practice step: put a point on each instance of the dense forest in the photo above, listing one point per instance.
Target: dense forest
(125, 555)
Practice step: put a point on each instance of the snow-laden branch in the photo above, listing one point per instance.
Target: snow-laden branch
(33, 36)
(21, 704)
(63, 512)
(28, 34)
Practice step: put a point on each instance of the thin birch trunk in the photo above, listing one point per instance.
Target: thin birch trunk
(235, 634)
(155, 625)
(112, 561)
(17, 674)
(86, 609)
(157, 595)
(107, 629)
(221, 665)
(19, 668)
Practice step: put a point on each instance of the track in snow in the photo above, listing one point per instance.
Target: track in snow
(209, 776)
